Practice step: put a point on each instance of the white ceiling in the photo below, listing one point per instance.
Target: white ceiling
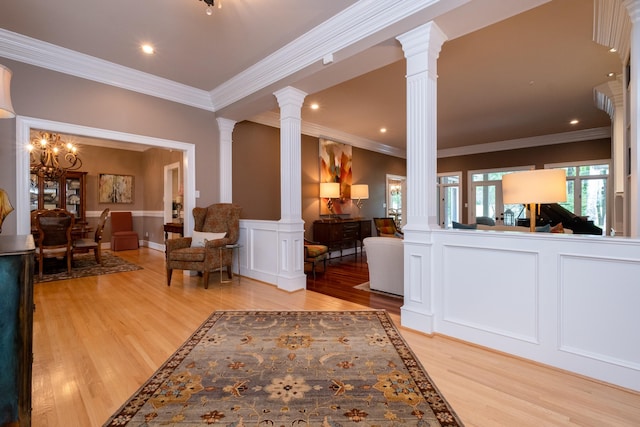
(522, 77)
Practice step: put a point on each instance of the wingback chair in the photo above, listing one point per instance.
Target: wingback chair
(54, 236)
(83, 245)
(219, 222)
(386, 227)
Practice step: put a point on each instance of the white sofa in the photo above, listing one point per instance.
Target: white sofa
(385, 256)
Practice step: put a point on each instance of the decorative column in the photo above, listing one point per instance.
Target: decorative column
(291, 275)
(225, 127)
(633, 6)
(421, 48)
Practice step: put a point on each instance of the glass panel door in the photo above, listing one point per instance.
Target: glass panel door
(73, 196)
(51, 194)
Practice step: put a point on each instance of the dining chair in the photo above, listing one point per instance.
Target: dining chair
(88, 244)
(54, 236)
(123, 236)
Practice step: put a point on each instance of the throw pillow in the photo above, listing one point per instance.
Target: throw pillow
(544, 229)
(461, 226)
(558, 228)
(199, 238)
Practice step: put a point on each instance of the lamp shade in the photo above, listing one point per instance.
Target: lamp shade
(360, 191)
(330, 190)
(535, 186)
(6, 109)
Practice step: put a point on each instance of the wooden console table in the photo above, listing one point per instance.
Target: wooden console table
(173, 227)
(338, 234)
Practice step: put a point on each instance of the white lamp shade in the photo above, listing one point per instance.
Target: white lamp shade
(6, 109)
(330, 190)
(360, 191)
(535, 186)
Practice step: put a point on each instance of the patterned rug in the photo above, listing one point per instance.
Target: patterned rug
(290, 368)
(84, 265)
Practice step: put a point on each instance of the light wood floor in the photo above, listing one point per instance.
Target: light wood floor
(96, 340)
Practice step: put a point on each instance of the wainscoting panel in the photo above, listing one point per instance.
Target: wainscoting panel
(594, 302)
(261, 249)
(476, 295)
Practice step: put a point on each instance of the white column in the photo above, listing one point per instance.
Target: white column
(633, 6)
(421, 48)
(225, 127)
(291, 275)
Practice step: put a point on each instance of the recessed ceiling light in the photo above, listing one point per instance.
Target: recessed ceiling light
(383, 130)
(314, 106)
(613, 50)
(148, 49)
(574, 122)
(611, 74)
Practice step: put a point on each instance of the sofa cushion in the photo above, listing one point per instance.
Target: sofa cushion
(460, 226)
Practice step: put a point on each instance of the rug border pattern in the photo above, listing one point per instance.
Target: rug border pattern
(430, 392)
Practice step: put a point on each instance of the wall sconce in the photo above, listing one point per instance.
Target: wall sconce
(6, 109)
(330, 191)
(359, 193)
(534, 187)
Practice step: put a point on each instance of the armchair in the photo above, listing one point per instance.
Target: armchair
(314, 253)
(386, 227)
(54, 236)
(209, 254)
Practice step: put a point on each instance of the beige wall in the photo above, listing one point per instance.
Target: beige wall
(49, 95)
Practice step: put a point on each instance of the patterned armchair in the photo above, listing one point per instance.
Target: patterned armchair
(186, 254)
(386, 227)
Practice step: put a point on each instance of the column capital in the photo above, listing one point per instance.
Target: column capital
(225, 125)
(426, 39)
(290, 97)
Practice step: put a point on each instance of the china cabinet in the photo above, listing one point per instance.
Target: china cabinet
(68, 192)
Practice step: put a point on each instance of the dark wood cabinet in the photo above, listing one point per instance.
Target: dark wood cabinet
(342, 234)
(68, 192)
(16, 329)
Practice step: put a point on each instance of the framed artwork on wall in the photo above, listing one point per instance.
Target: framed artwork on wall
(335, 166)
(115, 188)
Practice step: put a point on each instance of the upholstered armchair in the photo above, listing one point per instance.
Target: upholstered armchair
(215, 227)
(315, 253)
(386, 227)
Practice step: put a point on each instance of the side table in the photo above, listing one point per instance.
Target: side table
(173, 227)
(233, 248)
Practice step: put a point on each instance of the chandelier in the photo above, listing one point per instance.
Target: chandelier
(51, 157)
(210, 6)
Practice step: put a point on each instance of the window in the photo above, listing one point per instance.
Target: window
(485, 196)
(587, 191)
(449, 198)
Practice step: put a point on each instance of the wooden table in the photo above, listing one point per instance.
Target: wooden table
(173, 227)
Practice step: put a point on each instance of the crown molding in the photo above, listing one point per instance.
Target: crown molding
(361, 20)
(534, 141)
(46, 55)
(270, 118)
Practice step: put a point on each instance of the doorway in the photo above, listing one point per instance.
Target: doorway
(23, 131)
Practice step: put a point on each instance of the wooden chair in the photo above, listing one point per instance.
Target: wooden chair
(84, 245)
(54, 236)
(315, 253)
(219, 225)
(123, 237)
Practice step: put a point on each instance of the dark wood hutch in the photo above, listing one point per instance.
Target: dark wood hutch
(68, 192)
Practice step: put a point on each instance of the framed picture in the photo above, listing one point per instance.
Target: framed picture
(115, 188)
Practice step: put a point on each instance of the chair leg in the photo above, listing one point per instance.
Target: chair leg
(40, 267)
(69, 263)
(229, 271)
(205, 277)
(313, 268)
(169, 272)
(96, 253)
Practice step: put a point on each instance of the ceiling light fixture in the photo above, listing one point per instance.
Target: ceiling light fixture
(51, 157)
(574, 122)
(210, 5)
(148, 49)
(314, 106)
(383, 130)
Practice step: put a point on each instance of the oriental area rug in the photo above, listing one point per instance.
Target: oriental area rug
(84, 265)
(290, 368)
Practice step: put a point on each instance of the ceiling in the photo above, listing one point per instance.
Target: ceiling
(522, 77)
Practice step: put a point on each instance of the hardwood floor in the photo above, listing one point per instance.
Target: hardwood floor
(97, 339)
(340, 278)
